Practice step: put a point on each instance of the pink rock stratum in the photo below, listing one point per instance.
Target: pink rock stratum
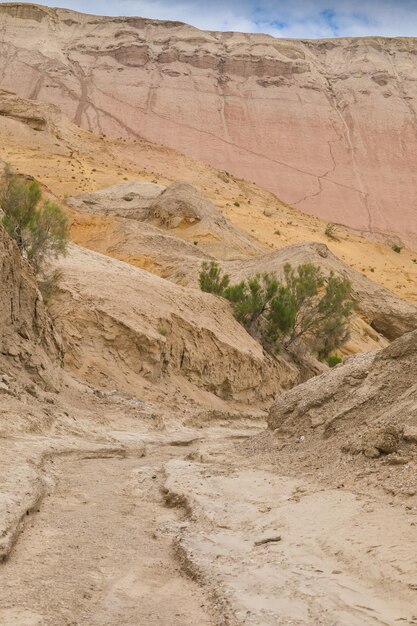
(330, 126)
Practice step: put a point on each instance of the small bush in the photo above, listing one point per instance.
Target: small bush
(39, 228)
(333, 359)
(251, 298)
(330, 231)
(211, 279)
(162, 330)
(397, 247)
(236, 203)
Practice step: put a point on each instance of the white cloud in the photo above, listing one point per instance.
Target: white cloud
(281, 18)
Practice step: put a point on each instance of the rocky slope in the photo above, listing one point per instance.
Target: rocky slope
(69, 161)
(366, 409)
(185, 214)
(30, 375)
(30, 347)
(179, 210)
(129, 330)
(330, 126)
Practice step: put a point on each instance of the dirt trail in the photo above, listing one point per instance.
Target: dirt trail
(106, 550)
(99, 552)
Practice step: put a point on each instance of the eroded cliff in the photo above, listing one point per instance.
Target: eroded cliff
(330, 126)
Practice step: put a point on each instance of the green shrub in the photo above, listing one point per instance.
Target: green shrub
(162, 330)
(307, 308)
(333, 359)
(236, 203)
(251, 298)
(211, 279)
(330, 231)
(397, 247)
(39, 228)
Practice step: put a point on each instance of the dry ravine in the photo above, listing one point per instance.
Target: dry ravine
(159, 464)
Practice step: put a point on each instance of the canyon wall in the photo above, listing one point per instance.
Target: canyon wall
(330, 126)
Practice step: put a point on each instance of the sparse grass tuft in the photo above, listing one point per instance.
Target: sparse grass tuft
(162, 330)
(334, 359)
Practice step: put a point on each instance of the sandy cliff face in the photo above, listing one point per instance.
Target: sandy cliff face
(330, 126)
(384, 389)
(28, 339)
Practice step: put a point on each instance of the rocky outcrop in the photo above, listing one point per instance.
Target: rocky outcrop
(129, 200)
(185, 211)
(28, 338)
(179, 210)
(367, 406)
(181, 205)
(127, 329)
(140, 244)
(41, 118)
(330, 126)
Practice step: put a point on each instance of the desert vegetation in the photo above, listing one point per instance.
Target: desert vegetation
(397, 247)
(307, 309)
(330, 231)
(38, 226)
(333, 359)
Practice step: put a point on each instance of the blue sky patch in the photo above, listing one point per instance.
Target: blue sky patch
(281, 18)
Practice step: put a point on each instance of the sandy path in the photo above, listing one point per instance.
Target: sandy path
(104, 549)
(343, 558)
(99, 552)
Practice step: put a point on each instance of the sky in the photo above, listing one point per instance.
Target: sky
(281, 18)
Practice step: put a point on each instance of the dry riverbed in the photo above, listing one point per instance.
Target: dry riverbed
(187, 530)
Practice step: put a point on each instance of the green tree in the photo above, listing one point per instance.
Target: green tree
(281, 316)
(322, 308)
(19, 201)
(48, 235)
(251, 298)
(38, 227)
(308, 308)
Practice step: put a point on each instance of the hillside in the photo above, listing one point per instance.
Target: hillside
(329, 126)
(129, 330)
(69, 162)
